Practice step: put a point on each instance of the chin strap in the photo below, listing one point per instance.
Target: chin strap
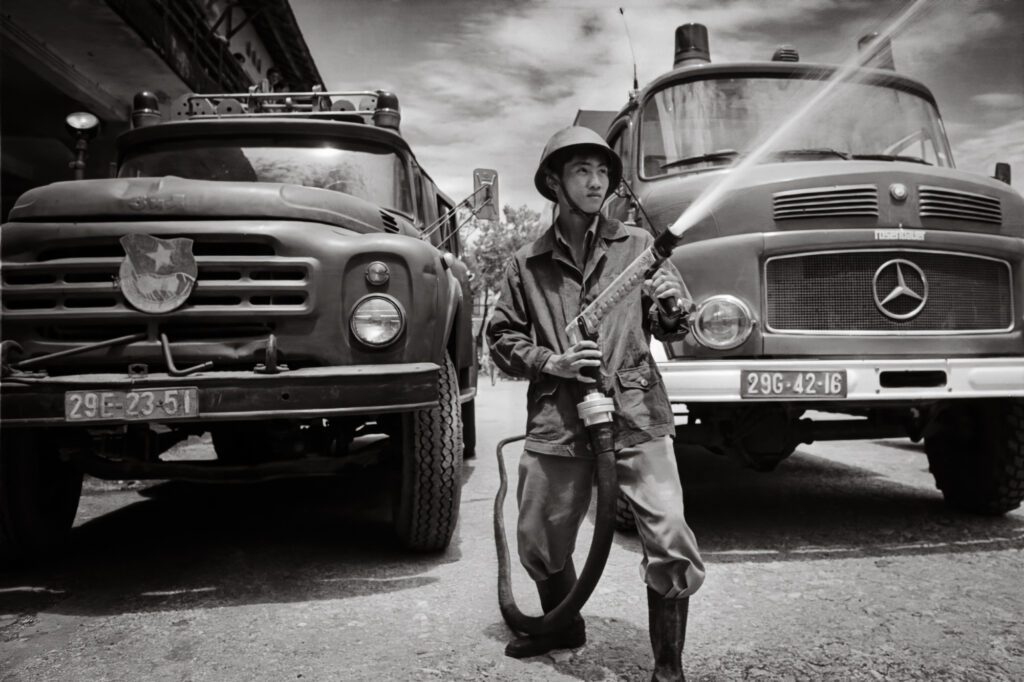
(579, 211)
(575, 207)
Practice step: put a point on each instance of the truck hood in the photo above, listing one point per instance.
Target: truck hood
(179, 198)
(817, 194)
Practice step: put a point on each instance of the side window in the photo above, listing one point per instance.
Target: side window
(422, 218)
(617, 206)
(620, 142)
(449, 236)
(430, 213)
(404, 199)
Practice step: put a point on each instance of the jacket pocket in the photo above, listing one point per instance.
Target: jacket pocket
(544, 388)
(641, 399)
(641, 377)
(545, 421)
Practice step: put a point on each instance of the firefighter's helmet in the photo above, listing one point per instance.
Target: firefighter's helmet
(575, 139)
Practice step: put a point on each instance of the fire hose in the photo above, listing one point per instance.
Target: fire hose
(596, 410)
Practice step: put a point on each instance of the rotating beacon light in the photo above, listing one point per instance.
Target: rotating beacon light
(145, 109)
(387, 113)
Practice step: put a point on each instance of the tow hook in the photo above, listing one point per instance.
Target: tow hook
(270, 366)
(169, 361)
(6, 348)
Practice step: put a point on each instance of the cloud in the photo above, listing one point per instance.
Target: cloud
(491, 89)
(1000, 100)
(493, 93)
(979, 152)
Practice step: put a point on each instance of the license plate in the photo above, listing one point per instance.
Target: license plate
(149, 404)
(793, 384)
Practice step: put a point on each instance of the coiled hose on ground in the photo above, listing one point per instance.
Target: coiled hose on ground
(602, 441)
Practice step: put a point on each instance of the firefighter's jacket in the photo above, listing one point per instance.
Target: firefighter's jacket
(542, 292)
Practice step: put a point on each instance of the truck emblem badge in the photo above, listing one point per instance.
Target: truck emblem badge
(900, 233)
(157, 275)
(904, 283)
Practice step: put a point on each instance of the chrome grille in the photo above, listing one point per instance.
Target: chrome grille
(69, 288)
(953, 204)
(824, 202)
(831, 293)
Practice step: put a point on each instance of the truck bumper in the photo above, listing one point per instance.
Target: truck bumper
(238, 395)
(868, 380)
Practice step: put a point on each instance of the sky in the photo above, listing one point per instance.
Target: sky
(484, 83)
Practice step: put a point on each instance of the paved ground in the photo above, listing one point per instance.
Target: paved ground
(841, 565)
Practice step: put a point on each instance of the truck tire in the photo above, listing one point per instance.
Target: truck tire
(39, 495)
(469, 429)
(976, 454)
(430, 486)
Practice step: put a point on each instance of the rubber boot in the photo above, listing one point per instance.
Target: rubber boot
(668, 635)
(552, 591)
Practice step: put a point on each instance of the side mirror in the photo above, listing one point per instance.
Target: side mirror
(485, 194)
(1002, 172)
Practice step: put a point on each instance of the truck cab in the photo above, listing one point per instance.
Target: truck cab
(848, 282)
(276, 270)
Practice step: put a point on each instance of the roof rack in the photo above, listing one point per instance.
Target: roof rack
(376, 107)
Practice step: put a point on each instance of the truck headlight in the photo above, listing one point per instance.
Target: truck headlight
(721, 322)
(377, 320)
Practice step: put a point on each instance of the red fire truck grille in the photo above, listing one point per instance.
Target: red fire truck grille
(835, 293)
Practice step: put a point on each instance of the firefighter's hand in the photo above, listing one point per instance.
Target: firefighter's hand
(568, 365)
(666, 285)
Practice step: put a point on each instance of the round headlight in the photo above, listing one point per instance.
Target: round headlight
(721, 322)
(377, 320)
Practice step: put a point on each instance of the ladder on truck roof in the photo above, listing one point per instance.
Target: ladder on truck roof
(376, 107)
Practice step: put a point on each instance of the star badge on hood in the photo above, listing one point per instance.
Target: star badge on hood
(157, 275)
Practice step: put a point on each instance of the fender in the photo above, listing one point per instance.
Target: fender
(457, 317)
(453, 305)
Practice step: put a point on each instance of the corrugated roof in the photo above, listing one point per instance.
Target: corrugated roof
(275, 23)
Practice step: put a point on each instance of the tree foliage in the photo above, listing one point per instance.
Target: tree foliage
(492, 244)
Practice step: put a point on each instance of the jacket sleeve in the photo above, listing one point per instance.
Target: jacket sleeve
(652, 321)
(510, 332)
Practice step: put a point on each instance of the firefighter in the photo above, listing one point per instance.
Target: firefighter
(547, 283)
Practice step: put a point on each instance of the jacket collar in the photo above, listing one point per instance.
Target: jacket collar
(608, 229)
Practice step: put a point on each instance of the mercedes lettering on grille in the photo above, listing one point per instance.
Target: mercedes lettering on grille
(900, 289)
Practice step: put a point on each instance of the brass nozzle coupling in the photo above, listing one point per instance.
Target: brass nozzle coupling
(595, 408)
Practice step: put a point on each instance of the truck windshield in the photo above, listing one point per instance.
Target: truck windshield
(368, 171)
(706, 124)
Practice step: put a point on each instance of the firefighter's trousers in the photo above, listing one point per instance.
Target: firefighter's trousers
(554, 495)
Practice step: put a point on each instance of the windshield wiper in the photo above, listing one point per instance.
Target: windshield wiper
(890, 157)
(813, 151)
(719, 155)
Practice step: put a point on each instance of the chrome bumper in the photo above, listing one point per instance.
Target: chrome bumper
(718, 381)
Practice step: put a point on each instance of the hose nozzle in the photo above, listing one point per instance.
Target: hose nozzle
(595, 408)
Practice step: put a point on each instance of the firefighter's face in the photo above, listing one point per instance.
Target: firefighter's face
(585, 181)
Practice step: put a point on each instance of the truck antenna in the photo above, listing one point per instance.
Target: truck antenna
(629, 39)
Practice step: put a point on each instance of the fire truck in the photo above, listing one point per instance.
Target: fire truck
(851, 284)
(275, 269)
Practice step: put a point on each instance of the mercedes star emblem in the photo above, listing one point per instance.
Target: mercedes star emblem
(900, 289)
